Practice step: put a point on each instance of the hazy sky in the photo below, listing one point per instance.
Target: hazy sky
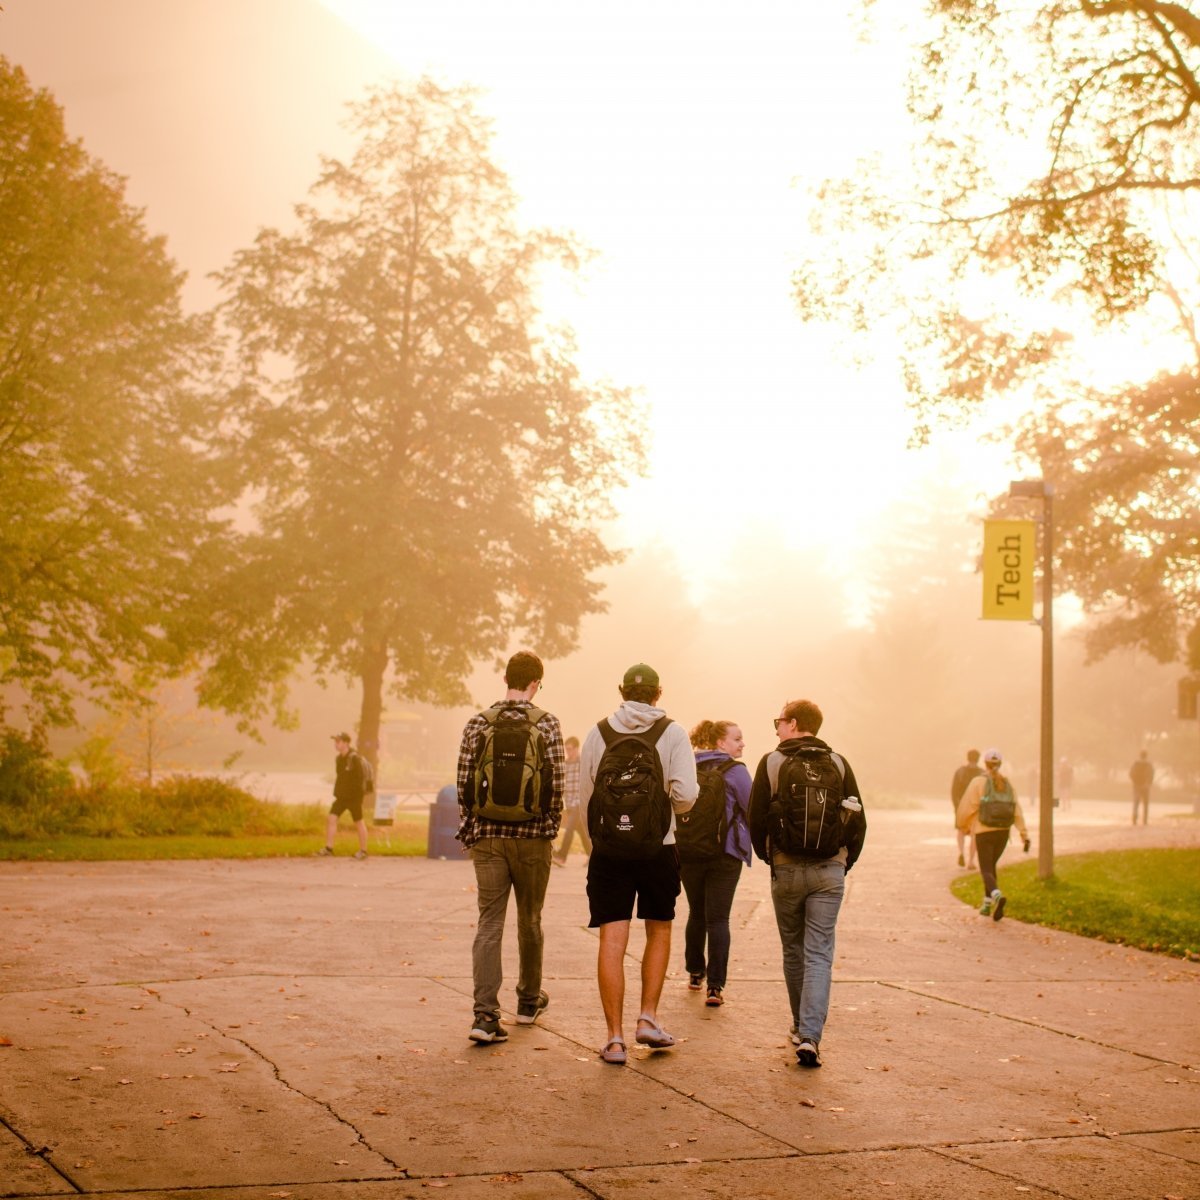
(674, 138)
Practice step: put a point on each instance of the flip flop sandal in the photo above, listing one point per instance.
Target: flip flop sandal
(655, 1036)
(614, 1052)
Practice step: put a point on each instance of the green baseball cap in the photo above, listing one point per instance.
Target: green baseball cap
(639, 673)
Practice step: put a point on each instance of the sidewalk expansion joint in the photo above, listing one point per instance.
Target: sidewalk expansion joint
(1030, 1023)
(45, 1153)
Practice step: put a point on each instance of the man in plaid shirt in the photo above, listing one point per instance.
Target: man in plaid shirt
(510, 856)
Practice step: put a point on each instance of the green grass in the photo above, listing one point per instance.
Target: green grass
(1149, 899)
(409, 836)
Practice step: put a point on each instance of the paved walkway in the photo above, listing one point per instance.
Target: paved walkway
(297, 1028)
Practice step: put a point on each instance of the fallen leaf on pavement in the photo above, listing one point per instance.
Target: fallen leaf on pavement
(809, 1103)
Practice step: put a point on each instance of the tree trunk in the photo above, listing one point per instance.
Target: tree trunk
(375, 659)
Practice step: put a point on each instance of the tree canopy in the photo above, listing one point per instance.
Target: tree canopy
(1049, 192)
(105, 486)
(426, 464)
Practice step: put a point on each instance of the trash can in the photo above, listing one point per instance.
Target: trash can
(443, 825)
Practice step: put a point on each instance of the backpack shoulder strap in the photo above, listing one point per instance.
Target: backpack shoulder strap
(607, 732)
(726, 766)
(774, 762)
(657, 730)
(840, 763)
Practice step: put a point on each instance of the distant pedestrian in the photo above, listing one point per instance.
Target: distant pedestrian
(510, 784)
(958, 785)
(1141, 774)
(637, 773)
(807, 822)
(349, 787)
(1066, 782)
(989, 809)
(574, 821)
(714, 843)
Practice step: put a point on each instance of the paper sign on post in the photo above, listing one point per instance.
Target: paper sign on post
(1009, 549)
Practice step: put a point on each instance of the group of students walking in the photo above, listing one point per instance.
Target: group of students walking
(661, 812)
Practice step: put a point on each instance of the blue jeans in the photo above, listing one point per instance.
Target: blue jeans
(710, 887)
(807, 897)
(522, 866)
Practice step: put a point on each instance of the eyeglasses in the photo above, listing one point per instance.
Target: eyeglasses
(781, 721)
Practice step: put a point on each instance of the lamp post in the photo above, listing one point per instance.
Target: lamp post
(1040, 489)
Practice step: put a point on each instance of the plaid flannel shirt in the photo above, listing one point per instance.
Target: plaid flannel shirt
(544, 826)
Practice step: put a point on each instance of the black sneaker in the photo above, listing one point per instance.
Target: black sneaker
(695, 981)
(528, 1011)
(808, 1054)
(714, 999)
(488, 1029)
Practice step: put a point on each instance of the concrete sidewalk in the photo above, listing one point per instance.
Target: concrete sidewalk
(297, 1028)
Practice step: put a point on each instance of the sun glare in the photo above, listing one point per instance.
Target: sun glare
(671, 139)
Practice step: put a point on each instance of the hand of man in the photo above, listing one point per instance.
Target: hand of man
(1026, 846)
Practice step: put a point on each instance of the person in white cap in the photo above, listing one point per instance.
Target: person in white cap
(988, 810)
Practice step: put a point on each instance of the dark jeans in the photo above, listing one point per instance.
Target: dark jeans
(710, 887)
(1141, 796)
(989, 846)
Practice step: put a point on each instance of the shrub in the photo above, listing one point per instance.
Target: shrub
(40, 799)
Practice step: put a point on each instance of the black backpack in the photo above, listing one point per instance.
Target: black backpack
(510, 782)
(368, 773)
(700, 832)
(805, 817)
(997, 809)
(630, 810)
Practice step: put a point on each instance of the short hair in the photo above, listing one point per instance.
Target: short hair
(972, 757)
(523, 669)
(805, 713)
(642, 693)
(572, 741)
(707, 734)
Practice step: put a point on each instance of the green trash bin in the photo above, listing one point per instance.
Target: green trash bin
(443, 825)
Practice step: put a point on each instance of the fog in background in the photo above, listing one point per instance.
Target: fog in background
(217, 113)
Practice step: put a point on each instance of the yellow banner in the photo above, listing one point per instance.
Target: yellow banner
(1009, 549)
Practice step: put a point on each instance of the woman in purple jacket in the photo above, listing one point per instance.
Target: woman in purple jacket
(710, 876)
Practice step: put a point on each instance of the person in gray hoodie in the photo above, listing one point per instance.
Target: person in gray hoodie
(613, 883)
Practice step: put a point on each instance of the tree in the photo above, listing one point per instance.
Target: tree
(1055, 164)
(1127, 510)
(105, 484)
(426, 464)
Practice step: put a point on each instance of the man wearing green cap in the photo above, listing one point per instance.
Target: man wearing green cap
(639, 732)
